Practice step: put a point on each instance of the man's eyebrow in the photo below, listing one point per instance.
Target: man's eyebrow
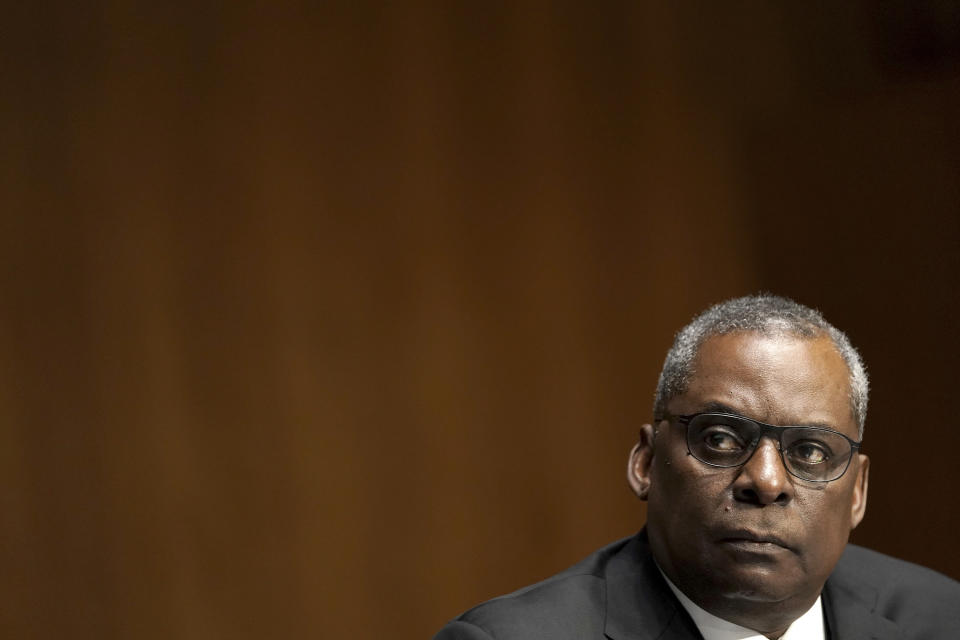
(719, 407)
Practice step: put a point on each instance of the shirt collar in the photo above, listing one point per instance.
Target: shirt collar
(809, 626)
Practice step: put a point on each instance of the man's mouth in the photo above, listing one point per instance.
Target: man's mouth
(753, 541)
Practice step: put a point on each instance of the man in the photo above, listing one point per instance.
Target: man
(754, 479)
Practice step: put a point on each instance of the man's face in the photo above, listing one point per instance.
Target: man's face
(736, 538)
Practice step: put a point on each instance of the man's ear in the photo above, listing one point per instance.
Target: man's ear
(858, 503)
(640, 462)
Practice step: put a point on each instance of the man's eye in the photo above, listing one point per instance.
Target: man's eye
(721, 440)
(810, 452)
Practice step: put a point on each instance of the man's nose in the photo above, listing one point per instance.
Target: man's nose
(763, 480)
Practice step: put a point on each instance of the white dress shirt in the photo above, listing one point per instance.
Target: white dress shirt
(809, 626)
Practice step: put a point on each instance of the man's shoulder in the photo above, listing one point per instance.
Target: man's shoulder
(912, 596)
(568, 604)
(860, 565)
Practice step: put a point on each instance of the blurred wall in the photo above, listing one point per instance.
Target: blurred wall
(338, 321)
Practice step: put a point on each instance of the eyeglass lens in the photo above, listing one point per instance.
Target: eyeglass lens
(810, 453)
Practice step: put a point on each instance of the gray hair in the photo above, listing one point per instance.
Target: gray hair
(768, 315)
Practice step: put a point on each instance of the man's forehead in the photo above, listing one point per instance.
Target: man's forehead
(757, 349)
(782, 379)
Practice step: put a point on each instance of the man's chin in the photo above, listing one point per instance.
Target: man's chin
(756, 584)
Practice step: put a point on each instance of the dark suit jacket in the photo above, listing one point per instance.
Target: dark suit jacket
(618, 593)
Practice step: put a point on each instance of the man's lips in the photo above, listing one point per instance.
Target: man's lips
(756, 541)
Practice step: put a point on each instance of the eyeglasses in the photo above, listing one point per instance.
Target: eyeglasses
(727, 440)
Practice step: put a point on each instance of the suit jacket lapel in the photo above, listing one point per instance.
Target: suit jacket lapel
(850, 610)
(640, 605)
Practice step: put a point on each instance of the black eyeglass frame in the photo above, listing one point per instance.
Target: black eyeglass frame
(776, 433)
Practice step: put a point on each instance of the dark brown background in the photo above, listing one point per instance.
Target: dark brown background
(331, 322)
